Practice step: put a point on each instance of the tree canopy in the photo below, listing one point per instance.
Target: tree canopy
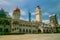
(3, 13)
(4, 21)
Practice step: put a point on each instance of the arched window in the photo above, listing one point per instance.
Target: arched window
(12, 29)
(23, 30)
(20, 30)
(16, 23)
(23, 24)
(20, 24)
(39, 31)
(29, 31)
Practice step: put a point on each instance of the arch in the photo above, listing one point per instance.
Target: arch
(23, 30)
(20, 30)
(29, 31)
(16, 22)
(26, 30)
(39, 31)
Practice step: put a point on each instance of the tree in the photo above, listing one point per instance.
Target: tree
(3, 13)
(4, 21)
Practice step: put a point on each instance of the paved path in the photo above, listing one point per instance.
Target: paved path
(31, 37)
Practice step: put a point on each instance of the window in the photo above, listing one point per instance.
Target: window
(29, 25)
(33, 26)
(16, 23)
(20, 24)
(23, 30)
(29, 31)
(23, 25)
(39, 30)
(12, 29)
(15, 28)
(20, 30)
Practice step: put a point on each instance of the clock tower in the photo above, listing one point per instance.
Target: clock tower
(38, 14)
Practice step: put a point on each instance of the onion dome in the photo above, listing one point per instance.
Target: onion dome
(16, 10)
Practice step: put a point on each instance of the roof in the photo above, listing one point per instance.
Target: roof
(16, 10)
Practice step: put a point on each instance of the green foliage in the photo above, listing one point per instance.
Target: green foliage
(4, 21)
(3, 13)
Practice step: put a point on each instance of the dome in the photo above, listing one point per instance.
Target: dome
(16, 10)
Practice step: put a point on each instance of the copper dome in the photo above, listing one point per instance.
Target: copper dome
(16, 10)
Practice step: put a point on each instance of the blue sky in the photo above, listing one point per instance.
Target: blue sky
(48, 7)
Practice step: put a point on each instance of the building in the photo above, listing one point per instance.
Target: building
(19, 26)
(53, 20)
(29, 17)
(16, 25)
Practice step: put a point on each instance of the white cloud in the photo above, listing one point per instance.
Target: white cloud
(22, 18)
(33, 13)
(46, 14)
(10, 14)
(59, 21)
(45, 21)
(4, 2)
(23, 13)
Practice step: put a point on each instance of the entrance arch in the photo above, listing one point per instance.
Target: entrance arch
(39, 31)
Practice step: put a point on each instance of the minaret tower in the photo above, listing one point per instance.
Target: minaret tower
(16, 13)
(38, 14)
